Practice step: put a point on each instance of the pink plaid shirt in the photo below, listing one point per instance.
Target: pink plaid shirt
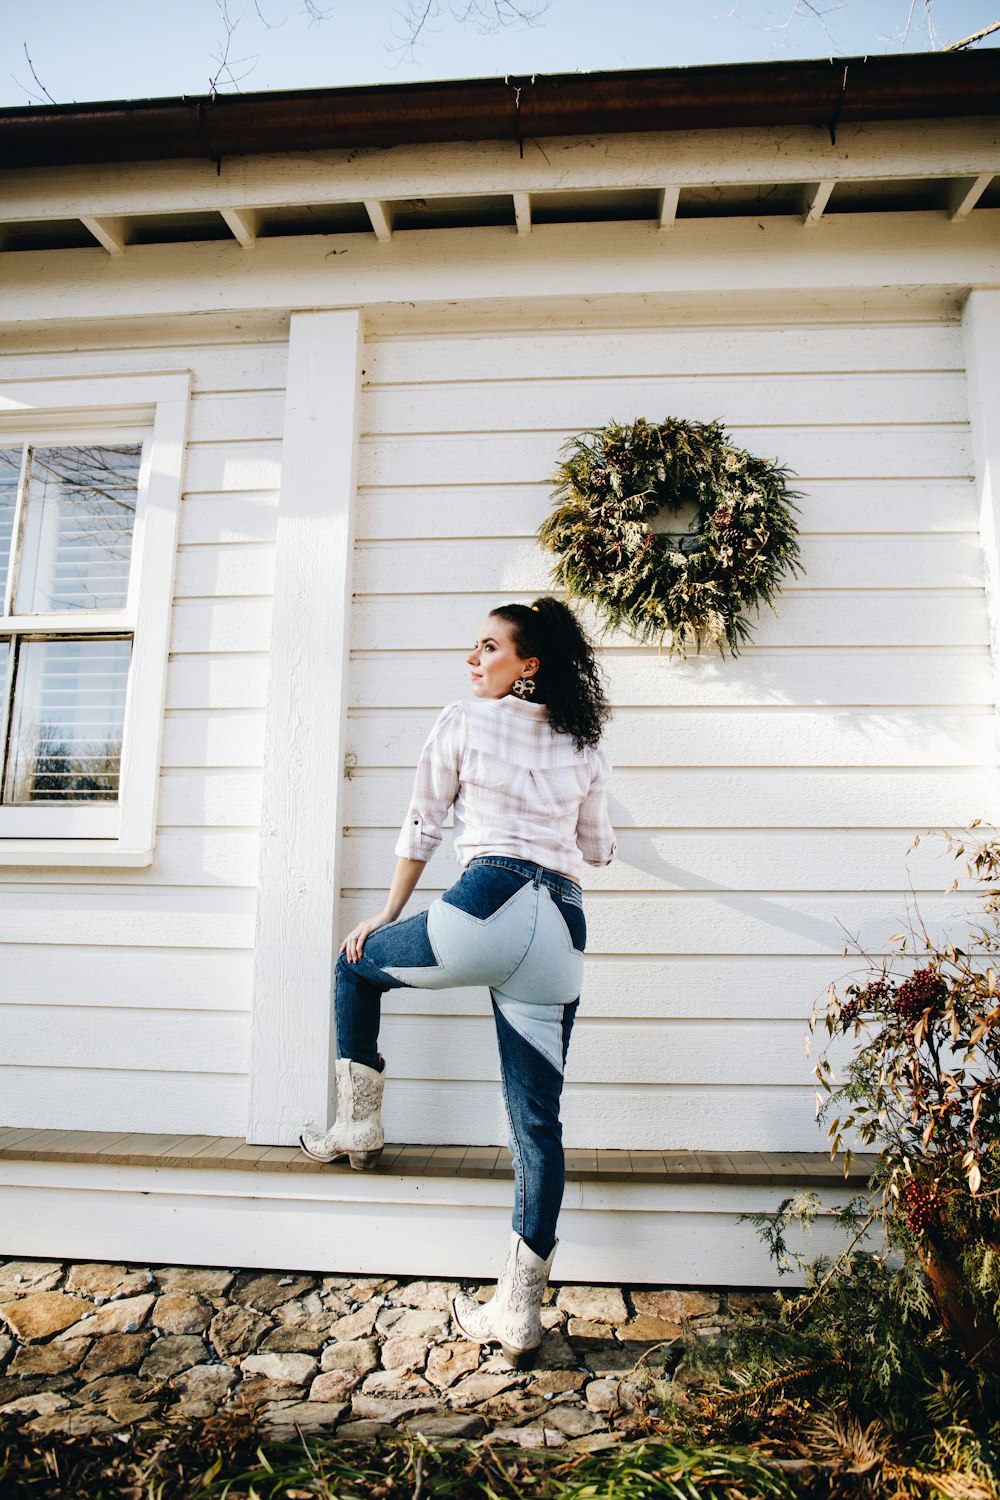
(517, 786)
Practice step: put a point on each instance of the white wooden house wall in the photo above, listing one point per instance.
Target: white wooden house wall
(764, 805)
(125, 997)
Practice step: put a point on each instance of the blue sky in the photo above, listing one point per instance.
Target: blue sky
(128, 49)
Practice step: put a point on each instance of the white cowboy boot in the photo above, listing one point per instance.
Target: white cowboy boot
(357, 1130)
(512, 1316)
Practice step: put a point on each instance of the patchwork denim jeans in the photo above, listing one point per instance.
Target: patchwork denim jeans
(520, 930)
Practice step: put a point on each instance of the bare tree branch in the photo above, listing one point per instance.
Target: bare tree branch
(486, 16)
(819, 13)
(35, 76)
(976, 36)
(225, 68)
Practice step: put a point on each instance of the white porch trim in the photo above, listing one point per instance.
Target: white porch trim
(292, 1037)
(981, 322)
(339, 1221)
(842, 253)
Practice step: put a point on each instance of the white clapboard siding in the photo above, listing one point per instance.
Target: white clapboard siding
(120, 1099)
(765, 805)
(682, 1117)
(910, 562)
(171, 1041)
(220, 624)
(582, 402)
(218, 680)
(217, 364)
(229, 467)
(458, 457)
(396, 512)
(218, 520)
(738, 798)
(626, 1052)
(185, 856)
(769, 736)
(738, 922)
(113, 915)
(213, 797)
(685, 986)
(206, 571)
(192, 737)
(125, 996)
(733, 859)
(172, 977)
(837, 617)
(397, 359)
(870, 678)
(244, 417)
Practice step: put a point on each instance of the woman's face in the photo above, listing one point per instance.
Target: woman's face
(494, 662)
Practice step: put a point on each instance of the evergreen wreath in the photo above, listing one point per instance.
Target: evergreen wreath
(697, 585)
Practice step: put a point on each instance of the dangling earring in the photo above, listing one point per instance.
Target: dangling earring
(524, 687)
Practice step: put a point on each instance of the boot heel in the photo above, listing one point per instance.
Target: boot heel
(363, 1161)
(520, 1359)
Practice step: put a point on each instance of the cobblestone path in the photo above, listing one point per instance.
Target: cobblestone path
(103, 1348)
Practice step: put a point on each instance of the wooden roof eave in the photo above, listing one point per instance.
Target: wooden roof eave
(826, 93)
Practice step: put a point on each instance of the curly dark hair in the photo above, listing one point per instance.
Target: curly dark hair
(569, 678)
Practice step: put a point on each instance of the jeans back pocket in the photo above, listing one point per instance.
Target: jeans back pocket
(483, 889)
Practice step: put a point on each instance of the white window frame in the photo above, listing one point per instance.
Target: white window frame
(152, 409)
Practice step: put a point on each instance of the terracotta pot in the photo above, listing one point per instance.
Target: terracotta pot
(974, 1330)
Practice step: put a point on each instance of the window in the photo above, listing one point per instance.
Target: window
(89, 500)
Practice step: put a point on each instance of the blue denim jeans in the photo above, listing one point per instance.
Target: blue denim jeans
(519, 929)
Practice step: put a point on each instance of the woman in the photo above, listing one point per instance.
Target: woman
(523, 768)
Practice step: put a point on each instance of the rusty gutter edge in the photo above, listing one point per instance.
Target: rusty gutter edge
(823, 94)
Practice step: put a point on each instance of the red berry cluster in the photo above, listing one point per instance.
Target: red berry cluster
(868, 999)
(849, 1012)
(877, 991)
(924, 990)
(922, 1206)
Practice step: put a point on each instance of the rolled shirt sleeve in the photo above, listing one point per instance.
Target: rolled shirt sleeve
(595, 835)
(435, 787)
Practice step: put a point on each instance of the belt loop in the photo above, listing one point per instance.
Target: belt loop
(539, 872)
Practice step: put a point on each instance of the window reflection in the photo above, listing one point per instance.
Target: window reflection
(66, 729)
(10, 468)
(79, 520)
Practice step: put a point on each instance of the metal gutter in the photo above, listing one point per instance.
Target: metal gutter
(822, 94)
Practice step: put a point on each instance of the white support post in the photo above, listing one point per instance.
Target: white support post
(381, 216)
(522, 212)
(981, 321)
(244, 223)
(967, 195)
(111, 233)
(669, 199)
(817, 198)
(292, 1032)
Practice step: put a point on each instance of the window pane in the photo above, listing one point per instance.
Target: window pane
(78, 528)
(10, 468)
(66, 735)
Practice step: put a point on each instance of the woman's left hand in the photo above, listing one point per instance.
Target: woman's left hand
(355, 940)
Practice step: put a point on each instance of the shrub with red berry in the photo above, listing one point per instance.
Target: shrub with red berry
(924, 991)
(921, 1204)
(921, 1084)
